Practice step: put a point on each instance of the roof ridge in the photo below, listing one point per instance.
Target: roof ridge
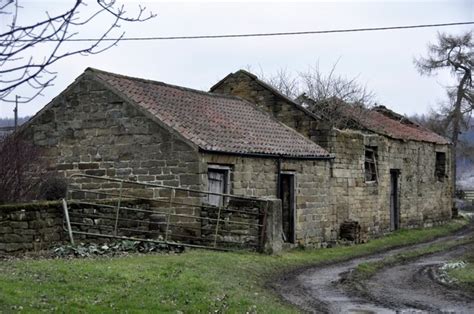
(197, 91)
(271, 89)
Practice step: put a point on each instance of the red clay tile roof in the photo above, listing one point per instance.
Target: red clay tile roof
(213, 122)
(380, 120)
(386, 122)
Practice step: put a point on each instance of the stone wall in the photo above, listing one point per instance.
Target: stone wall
(38, 226)
(347, 196)
(315, 215)
(239, 225)
(423, 199)
(30, 227)
(88, 129)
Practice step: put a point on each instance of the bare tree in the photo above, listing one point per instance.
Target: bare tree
(453, 53)
(21, 169)
(340, 100)
(322, 87)
(285, 82)
(20, 63)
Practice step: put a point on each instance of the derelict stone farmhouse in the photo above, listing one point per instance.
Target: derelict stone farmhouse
(245, 138)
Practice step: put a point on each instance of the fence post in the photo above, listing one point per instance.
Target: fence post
(217, 226)
(68, 222)
(118, 208)
(172, 195)
(263, 231)
(273, 238)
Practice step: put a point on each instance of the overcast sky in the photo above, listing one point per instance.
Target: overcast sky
(382, 60)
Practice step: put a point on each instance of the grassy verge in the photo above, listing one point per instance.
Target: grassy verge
(465, 276)
(195, 281)
(364, 271)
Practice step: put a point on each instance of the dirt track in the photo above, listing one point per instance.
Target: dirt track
(407, 288)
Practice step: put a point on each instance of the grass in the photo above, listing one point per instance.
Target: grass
(198, 280)
(364, 271)
(465, 276)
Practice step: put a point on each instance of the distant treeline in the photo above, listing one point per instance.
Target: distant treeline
(11, 121)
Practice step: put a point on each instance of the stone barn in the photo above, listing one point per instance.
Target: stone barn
(388, 172)
(106, 124)
(376, 173)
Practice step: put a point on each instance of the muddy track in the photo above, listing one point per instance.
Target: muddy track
(409, 288)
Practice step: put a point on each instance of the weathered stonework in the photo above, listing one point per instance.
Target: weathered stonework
(251, 176)
(247, 86)
(90, 130)
(423, 199)
(30, 227)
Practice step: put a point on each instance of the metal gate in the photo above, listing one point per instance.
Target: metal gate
(103, 207)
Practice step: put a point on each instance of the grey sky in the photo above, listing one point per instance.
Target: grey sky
(382, 60)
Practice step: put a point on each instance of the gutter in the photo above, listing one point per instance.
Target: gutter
(261, 155)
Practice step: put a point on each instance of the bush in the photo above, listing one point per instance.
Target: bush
(52, 188)
(21, 169)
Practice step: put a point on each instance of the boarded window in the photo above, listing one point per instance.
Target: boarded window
(440, 166)
(370, 164)
(217, 182)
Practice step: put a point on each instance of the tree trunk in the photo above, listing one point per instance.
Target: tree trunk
(457, 119)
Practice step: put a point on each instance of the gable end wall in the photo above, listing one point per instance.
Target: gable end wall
(242, 85)
(89, 129)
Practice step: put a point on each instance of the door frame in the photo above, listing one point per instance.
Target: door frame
(394, 199)
(292, 183)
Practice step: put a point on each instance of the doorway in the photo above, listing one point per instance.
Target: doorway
(287, 195)
(218, 178)
(394, 200)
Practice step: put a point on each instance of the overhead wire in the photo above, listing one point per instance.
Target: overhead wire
(217, 36)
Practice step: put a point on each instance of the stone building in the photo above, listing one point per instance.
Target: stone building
(106, 124)
(245, 138)
(388, 172)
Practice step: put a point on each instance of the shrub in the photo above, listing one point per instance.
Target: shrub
(52, 188)
(21, 169)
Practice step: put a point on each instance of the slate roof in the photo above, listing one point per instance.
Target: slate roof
(215, 123)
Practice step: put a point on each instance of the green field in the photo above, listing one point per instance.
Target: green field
(194, 281)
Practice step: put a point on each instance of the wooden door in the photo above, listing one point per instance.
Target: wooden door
(217, 182)
(394, 200)
(287, 195)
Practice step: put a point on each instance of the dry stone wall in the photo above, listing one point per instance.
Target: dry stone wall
(30, 227)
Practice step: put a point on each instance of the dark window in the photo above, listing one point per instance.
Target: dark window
(370, 164)
(440, 166)
(217, 182)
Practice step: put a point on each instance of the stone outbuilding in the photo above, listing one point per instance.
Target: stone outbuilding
(106, 124)
(388, 172)
(377, 174)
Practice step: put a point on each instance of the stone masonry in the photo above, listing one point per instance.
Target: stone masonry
(90, 130)
(423, 199)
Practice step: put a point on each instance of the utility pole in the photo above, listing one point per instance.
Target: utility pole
(15, 111)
